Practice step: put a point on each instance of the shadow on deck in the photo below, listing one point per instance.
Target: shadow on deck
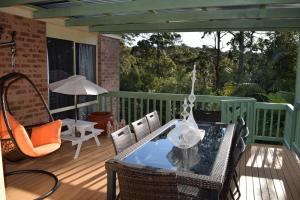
(266, 172)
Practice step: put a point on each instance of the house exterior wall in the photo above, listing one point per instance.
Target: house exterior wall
(31, 60)
(109, 72)
(109, 60)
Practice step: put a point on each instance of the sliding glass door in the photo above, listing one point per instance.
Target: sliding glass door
(66, 58)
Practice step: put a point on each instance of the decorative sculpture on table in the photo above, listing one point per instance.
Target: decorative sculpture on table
(192, 99)
(186, 133)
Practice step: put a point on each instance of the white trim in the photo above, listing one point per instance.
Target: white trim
(118, 37)
(81, 105)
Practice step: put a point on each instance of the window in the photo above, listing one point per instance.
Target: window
(64, 62)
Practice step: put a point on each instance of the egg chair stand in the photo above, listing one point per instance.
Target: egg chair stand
(16, 152)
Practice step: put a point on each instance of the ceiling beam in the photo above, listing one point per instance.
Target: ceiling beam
(255, 13)
(6, 3)
(224, 25)
(197, 30)
(146, 5)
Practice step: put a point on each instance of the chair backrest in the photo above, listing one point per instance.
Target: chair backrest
(232, 157)
(3, 129)
(206, 116)
(241, 143)
(122, 139)
(141, 128)
(245, 133)
(137, 182)
(153, 121)
(238, 131)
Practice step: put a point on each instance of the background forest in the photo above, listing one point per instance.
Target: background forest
(253, 66)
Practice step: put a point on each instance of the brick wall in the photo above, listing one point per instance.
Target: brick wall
(31, 60)
(109, 63)
(109, 66)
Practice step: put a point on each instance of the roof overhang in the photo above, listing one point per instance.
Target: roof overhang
(140, 16)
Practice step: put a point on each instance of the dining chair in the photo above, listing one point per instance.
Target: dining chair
(141, 128)
(206, 116)
(230, 174)
(122, 139)
(153, 121)
(138, 182)
(239, 151)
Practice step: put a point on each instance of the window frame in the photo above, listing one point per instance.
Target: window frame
(79, 105)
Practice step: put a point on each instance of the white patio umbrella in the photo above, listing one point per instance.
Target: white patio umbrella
(76, 85)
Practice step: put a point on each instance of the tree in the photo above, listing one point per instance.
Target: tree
(259, 65)
(240, 42)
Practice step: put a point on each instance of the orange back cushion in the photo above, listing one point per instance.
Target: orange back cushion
(23, 141)
(3, 129)
(46, 134)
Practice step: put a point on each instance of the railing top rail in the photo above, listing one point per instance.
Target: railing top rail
(239, 100)
(170, 96)
(275, 106)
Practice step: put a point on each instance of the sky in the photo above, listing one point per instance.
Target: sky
(194, 39)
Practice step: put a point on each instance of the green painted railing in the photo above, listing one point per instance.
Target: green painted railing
(272, 122)
(296, 136)
(134, 105)
(242, 108)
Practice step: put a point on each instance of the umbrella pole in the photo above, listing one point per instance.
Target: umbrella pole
(76, 113)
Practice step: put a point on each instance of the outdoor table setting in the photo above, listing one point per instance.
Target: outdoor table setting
(197, 152)
(203, 166)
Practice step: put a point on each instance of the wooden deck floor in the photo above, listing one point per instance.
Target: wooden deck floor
(266, 172)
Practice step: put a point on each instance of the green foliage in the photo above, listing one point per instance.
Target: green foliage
(282, 97)
(259, 67)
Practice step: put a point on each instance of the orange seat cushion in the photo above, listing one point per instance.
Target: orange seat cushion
(3, 129)
(46, 149)
(46, 134)
(27, 147)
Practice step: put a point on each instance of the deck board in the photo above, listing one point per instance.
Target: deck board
(265, 172)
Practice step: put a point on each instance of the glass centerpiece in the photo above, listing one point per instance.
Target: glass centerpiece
(186, 133)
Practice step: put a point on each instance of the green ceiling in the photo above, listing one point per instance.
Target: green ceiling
(124, 16)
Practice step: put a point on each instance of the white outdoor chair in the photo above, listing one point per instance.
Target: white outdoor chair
(141, 128)
(153, 121)
(122, 139)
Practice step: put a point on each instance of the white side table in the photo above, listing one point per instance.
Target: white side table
(81, 126)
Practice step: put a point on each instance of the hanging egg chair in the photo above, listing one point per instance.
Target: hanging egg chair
(16, 142)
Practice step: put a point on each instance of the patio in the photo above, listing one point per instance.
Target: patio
(265, 172)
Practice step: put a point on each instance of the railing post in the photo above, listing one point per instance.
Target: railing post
(101, 100)
(289, 126)
(295, 144)
(226, 116)
(168, 110)
(223, 111)
(251, 123)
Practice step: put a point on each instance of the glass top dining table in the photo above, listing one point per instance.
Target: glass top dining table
(205, 161)
(160, 152)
